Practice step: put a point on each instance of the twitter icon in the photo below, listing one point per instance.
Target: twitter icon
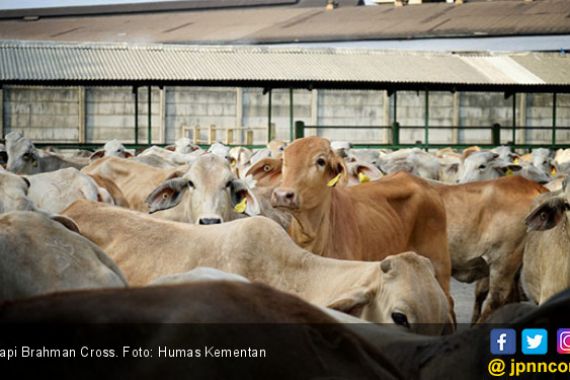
(534, 341)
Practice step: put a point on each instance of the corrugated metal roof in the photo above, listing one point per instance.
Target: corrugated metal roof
(302, 24)
(24, 62)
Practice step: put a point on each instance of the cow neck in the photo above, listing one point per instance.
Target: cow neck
(311, 228)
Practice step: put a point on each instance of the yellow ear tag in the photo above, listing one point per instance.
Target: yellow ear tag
(363, 178)
(240, 207)
(516, 161)
(233, 163)
(553, 172)
(333, 181)
(509, 172)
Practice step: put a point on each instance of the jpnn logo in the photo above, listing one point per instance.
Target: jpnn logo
(534, 341)
(504, 341)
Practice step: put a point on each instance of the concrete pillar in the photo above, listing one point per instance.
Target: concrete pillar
(522, 118)
(2, 132)
(387, 122)
(314, 108)
(162, 115)
(456, 121)
(82, 115)
(239, 114)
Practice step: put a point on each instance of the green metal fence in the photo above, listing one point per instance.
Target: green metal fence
(494, 133)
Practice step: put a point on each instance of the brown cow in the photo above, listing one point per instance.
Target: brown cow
(486, 231)
(397, 213)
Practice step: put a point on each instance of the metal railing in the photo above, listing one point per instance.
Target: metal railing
(495, 138)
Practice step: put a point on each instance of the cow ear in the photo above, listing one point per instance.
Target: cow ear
(167, 195)
(243, 199)
(352, 302)
(171, 148)
(547, 215)
(27, 181)
(128, 155)
(98, 154)
(66, 222)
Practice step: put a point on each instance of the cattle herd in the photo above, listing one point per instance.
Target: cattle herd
(315, 229)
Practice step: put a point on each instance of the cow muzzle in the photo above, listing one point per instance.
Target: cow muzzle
(283, 197)
(206, 221)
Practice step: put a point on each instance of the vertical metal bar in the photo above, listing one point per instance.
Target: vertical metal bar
(299, 129)
(426, 121)
(136, 92)
(149, 122)
(395, 125)
(553, 119)
(162, 113)
(269, 137)
(514, 119)
(291, 121)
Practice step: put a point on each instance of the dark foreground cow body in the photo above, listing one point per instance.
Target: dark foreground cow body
(236, 315)
(317, 348)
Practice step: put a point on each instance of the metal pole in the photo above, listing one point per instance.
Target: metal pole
(426, 122)
(149, 111)
(395, 125)
(514, 119)
(553, 119)
(291, 122)
(136, 92)
(299, 129)
(269, 137)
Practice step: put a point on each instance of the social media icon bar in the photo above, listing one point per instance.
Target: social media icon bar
(563, 341)
(534, 341)
(504, 341)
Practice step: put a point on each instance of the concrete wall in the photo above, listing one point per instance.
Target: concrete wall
(55, 114)
(46, 114)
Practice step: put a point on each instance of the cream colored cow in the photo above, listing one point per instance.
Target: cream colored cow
(401, 289)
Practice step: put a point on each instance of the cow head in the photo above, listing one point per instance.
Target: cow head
(113, 148)
(23, 157)
(361, 172)
(14, 193)
(310, 170)
(211, 191)
(551, 210)
(266, 172)
(407, 295)
(483, 166)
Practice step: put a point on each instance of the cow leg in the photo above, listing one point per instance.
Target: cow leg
(503, 287)
(481, 293)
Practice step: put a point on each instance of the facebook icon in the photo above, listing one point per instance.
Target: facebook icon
(503, 342)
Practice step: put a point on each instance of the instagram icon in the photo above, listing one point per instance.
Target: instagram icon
(563, 341)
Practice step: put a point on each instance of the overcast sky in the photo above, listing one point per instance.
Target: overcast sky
(19, 4)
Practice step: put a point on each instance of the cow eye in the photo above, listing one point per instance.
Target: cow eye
(266, 168)
(229, 184)
(482, 167)
(321, 162)
(191, 184)
(28, 157)
(400, 319)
